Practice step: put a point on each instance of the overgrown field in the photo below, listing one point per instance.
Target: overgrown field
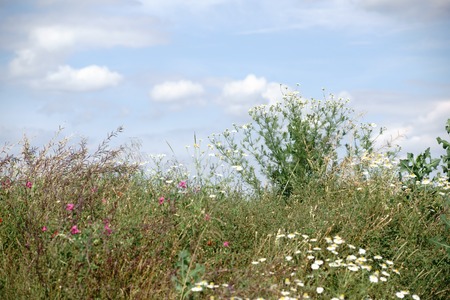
(298, 204)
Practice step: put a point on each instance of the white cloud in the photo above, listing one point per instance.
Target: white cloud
(240, 95)
(79, 80)
(43, 39)
(25, 63)
(251, 85)
(411, 9)
(173, 91)
(97, 33)
(170, 7)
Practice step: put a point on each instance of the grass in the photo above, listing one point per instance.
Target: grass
(82, 225)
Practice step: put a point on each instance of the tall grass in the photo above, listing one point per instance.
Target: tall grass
(82, 225)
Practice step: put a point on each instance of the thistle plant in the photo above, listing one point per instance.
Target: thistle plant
(186, 274)
(294, 142)
(420, 167)
(445, 157)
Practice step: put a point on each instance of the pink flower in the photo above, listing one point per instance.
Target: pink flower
(207, 217)
(161, 200)
(70, 206)
(226, 244)
(108, 229)
(29, 184)
(74, 230)
(182, 184)
(44, 229)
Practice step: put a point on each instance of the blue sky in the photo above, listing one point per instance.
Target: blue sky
(166, 69)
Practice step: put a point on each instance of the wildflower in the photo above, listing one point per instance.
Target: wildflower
(207, 217)
(400, 295)
(319, 262)
(44, 228)
(70, 206)
(361, 260)
(319, 290)
(226, 244)
(288, 258)
(353, 267)
(335, 264)
(338, 240)
(197, 288)
(385, 273)
(238, 168)
(415, 297)
(351, 257)
(74, 230)
(161, 200)
(373, 278)
(108, 229)
(366, 267)
(291, 236)
(351, 246)
(29, 184)
(299, 283)
(202, 283)
(182, 184)
(425, 181)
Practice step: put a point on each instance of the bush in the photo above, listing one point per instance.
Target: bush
(295, 142)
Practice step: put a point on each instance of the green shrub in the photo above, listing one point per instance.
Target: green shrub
(294, 142)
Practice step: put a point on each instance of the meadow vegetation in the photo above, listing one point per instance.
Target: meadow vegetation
(301, 203)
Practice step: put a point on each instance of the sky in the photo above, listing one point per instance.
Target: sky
(167, 70)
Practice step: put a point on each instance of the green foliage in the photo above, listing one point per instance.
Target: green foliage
(421, 167)
(446, 157)
(163, 233)
(444, 240)
(294, 142)
(186, 276)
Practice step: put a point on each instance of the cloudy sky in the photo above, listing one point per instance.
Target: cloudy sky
(166, 69)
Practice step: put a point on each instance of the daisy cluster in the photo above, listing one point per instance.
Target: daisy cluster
(313, 262)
